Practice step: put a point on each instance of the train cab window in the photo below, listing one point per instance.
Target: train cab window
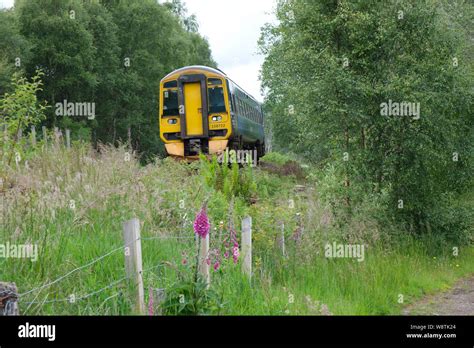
(214, 82)
(216, 100)
(170, 84)
(170, 103)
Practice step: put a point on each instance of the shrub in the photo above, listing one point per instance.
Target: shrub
(188, 297)
(281, 165)
(232, 182)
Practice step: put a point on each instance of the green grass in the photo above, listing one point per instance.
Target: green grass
(165, 196)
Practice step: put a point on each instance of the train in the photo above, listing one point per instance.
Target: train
(202, 111)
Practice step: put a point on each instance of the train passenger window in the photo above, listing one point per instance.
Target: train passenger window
(170, 103)
(234, 104)
(170, 84)
(216, 100)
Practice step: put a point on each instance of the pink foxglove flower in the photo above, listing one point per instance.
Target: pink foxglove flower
(235, 254)
(216, 265)
(150, 301)
(201, 224)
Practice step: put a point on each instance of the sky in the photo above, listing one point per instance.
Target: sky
(232, 28)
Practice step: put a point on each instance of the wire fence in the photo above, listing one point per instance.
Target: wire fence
(83, 297)
(73, 299)
(77, 269)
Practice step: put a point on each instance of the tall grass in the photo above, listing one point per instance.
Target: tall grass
(72, 203)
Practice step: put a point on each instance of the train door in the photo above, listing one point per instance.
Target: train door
(193, 109)
(192, 97)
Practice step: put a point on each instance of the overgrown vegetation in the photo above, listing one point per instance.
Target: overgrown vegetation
(107, 189)
(110, 53)
(20, 110)
(399, 187)
(228, 180)
(331, 65)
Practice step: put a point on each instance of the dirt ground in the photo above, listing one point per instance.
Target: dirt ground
(459, 300)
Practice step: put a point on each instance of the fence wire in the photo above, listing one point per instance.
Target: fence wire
(78, 269)
(114, 283)
(168, 237)
(83, 297)
(97, 260)
(68, 299)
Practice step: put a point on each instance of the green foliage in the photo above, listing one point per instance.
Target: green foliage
(14, 48)
(283, 165)
(108, 190)
(232, 182)
(330, 65)
(188, 297)
(111, 53)
(20, 110)
(276, 158)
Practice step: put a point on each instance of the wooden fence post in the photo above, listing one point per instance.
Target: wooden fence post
(283, 249)
(159, 296)
(133, 262)
(8, 299)
(45, 135)
(204, 266)
(247, 246)
(68, 138)
(33, 136)
(56, 136)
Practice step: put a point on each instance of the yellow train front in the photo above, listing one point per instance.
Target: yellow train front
(202, 111)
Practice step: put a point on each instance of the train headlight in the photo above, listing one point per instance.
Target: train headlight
(172, 121)
(217, 118)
